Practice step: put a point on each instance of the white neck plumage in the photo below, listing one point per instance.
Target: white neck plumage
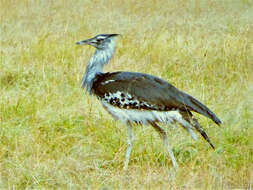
(96, 64)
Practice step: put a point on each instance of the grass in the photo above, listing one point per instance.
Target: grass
(53, 135)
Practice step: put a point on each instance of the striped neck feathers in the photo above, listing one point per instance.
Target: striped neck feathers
(96, 64)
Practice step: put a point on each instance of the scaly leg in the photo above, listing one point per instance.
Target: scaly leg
(129, 145)
(165, 139)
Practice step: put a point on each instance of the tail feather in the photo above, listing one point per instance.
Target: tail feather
(194, 122)
(200, 108)
(202, 132)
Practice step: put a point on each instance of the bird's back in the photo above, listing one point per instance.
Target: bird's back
(131, 90)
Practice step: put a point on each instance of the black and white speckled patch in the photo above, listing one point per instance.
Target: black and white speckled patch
(127, 101)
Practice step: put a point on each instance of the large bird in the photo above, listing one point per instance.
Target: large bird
(140, 98)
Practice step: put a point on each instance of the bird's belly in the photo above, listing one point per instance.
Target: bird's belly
(142, 116)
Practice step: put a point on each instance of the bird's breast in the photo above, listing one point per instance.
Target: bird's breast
(141, 116)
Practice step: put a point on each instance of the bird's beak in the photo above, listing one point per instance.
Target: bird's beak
(84, 42)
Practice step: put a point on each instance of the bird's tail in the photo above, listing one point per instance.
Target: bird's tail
(194, 122)
(201, 131)
(200, 108)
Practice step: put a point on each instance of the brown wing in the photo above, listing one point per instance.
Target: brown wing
(155, 92)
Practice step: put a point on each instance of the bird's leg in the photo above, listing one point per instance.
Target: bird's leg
(129, 144)
(165, 139)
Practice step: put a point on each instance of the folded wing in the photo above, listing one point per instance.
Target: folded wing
(153, 92)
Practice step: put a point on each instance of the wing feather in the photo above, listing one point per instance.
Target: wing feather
(150, 89)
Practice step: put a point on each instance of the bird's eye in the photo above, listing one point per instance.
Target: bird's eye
(99, 40)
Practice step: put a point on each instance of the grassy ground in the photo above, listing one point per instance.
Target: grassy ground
(53, 135)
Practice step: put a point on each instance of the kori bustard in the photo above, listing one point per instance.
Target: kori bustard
(140, 98)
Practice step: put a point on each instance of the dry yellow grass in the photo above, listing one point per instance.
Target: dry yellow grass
(53, 135)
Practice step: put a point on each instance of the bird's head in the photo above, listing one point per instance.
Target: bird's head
(101, 41)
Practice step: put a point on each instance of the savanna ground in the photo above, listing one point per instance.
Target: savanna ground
(53, 135)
